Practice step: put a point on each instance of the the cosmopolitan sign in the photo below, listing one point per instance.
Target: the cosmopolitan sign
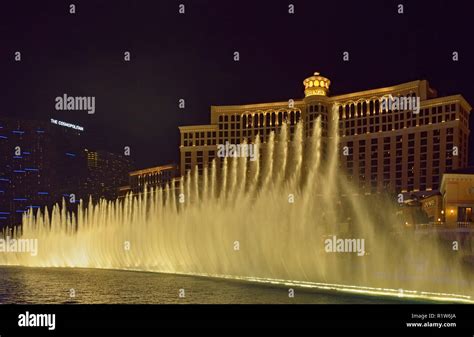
(66, 124)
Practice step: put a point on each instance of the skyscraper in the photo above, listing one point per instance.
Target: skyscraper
(36, 161)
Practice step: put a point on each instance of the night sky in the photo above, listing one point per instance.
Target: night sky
(190, 56)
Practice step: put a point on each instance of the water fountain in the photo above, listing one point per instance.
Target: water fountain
(263, 221)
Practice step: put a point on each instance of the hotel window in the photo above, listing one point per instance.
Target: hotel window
(464, 214)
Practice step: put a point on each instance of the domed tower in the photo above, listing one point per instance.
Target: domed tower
(316, 90)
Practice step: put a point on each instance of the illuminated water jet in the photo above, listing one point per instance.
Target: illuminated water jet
(264, 221)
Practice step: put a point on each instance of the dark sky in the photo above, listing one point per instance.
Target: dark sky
(191, 56)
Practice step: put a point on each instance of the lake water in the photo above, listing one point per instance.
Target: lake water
(23, 285)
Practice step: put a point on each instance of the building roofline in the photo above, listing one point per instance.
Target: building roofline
(216, 108)
(378, 91)
(458, 174)
(154, 169)
(443, 99)
(198, 127)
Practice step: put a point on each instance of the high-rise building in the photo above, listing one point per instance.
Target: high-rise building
(400, 138)
(106, 172)
(35, 165)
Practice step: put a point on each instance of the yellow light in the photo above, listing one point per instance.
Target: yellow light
(321, 83)
(452, 211)
(439, 219)
(442, 212)
(316, 83)
(310, 84)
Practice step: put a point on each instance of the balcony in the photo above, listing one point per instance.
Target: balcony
(459, 226)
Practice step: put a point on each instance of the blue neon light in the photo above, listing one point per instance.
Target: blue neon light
(18, 132)
(20, 199)
(17, 157)
(24, 152)
(4, 212)
(43, 193)
(20, 211)
(2, 218)
(19, 171)
(31, 169)
(70, 154)
(4, 179)
(4, 137)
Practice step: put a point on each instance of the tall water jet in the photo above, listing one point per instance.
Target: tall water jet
(245, 221)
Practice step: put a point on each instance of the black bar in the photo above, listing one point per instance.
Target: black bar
(240, 320)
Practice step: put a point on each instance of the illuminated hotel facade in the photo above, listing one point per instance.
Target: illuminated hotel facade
(393, 150)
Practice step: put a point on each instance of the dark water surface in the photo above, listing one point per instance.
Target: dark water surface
(53, 285)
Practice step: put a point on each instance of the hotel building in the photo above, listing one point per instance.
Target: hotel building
(106, 172)
(152, 177)
(454, 204)
(157, 176)
(397, 150)
(40, 163)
